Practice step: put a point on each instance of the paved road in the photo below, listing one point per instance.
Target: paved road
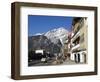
(39, 63)
(52, 62)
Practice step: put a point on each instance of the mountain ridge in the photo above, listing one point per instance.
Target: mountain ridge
(56, 34)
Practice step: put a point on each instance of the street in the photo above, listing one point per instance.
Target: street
(52, 62)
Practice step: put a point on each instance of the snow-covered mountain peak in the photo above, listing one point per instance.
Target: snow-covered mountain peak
(39, 34)
(61, 29)
(57, 34)
(57, 31)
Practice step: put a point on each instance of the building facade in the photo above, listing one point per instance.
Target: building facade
(66, 48)
(79, 40)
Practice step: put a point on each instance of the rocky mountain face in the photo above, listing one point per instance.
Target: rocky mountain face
(42, 42)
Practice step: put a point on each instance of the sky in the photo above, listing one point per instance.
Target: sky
(42, 24)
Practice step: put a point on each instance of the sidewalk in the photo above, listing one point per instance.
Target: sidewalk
(69, 62)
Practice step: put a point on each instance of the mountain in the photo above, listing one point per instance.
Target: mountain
(38, 34)
(57, 34)
(42, 42)
(51, 41)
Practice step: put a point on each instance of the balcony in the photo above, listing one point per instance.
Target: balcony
(75, 47)
(75, 36)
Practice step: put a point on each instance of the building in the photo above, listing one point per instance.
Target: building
(79, 40)
(67, 47)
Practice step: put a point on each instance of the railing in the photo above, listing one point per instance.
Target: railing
(75, 47)
(75, 36)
